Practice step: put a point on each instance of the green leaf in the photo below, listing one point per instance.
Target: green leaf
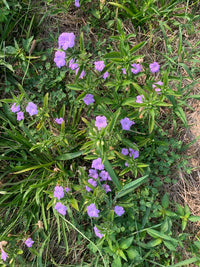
(137, 47)
(69, 156)
(75, 87)
(165, 201)
(154, 243)
(116, 262)
(181, 114)
(194, 218)
(46, 101)
(34, 167)
(151, 120)
(114, 120)
(185, 67)
(74, 204)
(112, 55)
(185, 262)
(112, 174)
(126, 243)
(82, 48)
(132, 253)
(129, 144)
(123, 7)
(180, 41)
(7, 65)
(169, 245)
(130, 187)
(157, 234)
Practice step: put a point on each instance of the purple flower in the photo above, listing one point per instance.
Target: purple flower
(59, 121)
(66, 40)
(154, 67)
(97, 233)
(126, 164)
(15, 108)
(124, 151)
(158, 83)
(119, 210)
(73, 65)
(97, 165)
(104, 175)
(92, 211)
(92, 182)
(88, 188)
(58, 192)
(106, 187)
(88, 99)
(124, 70)
(93, 173)
(3, 255)
(20, 116)
(100, 122)
(77, 3)
(126, 123)
(133, 153)
(61, 208)
(105, 76)
(139, 99)
(82, 73)
(67, 189)
(136, 68)
(59, 59)
(99, 65)
(31, 109)
(29, 242)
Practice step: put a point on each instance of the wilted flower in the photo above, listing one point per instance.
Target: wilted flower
(67, 189)
(119, 210)
(66, 40)
(101, 122)
(29, 242)
(105, 76)
(59, 59)
(156, 88)
(3, 255)
(154, 67)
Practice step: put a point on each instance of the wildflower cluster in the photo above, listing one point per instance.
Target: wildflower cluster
(59, 193)
(31, 109)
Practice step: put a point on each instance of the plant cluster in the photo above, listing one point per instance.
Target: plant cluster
(92, 156)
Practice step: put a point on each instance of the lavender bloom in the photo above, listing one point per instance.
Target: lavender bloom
(109, 178)
(82, 73)
(67, 189)
(3, 255)
(66, 40)
(105, 76)
(126, 164)
(92, 182)
(59, 59)
(154, 67)
(59, 121)
(77, 3)
(58, 192)
(136, 68)
(73, 65)
(158, 83)
(104, 175)
(92, 211)
(133, 153)
(93, 173)
(88, 188)
(100, 122)
(124, 70)
(124, 151)
(29, 242)
(31, 109)
(61, 208)
(119, 210)
(20, 116)
(139, 99)
(15, 108)
(99, 65)
(88, 99)
(97, 165)
(126, 123)
(97, 232)
(106, 187)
